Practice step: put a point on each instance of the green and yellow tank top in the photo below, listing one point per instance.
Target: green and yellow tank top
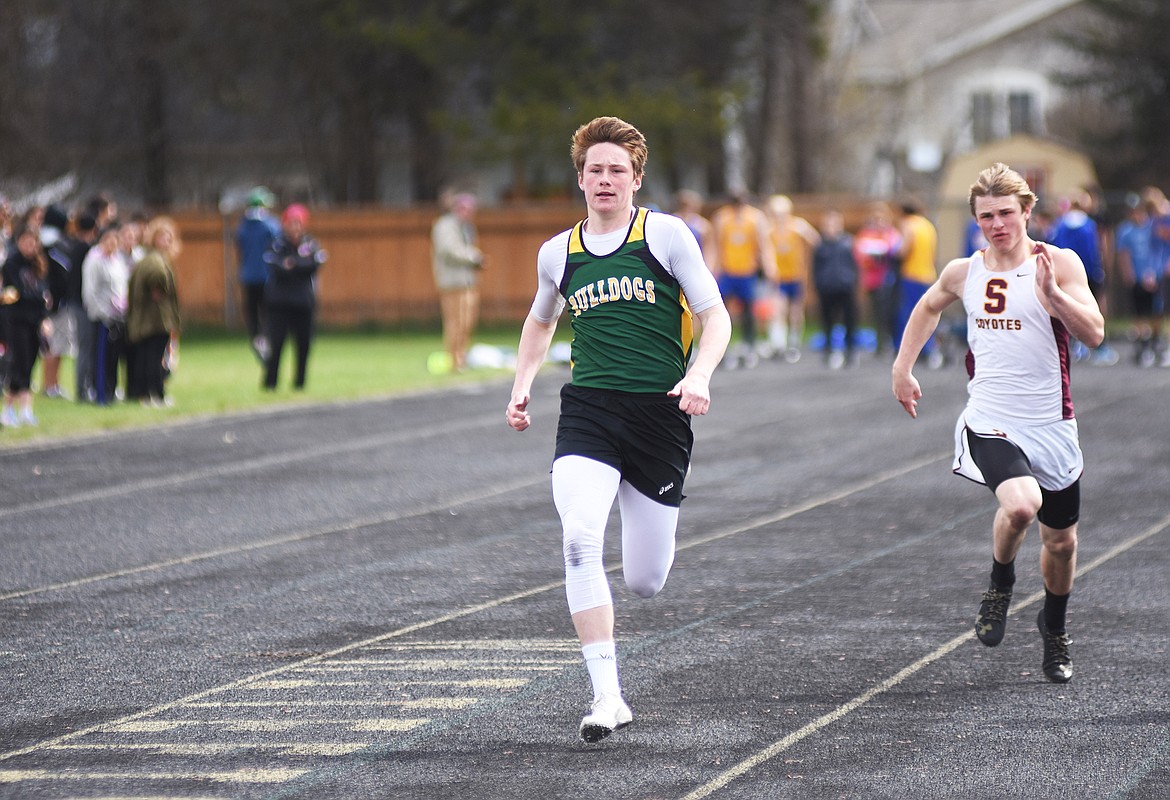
(631, 325)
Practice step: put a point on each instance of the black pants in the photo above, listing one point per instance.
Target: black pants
(24, 344)
(253, 303)
(148, 354)
(279, 322)
(109, 352)
(834, 305)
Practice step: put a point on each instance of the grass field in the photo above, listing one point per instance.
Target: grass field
(218, 373)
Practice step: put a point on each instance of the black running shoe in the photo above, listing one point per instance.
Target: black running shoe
(1057, 661)
(992, 619)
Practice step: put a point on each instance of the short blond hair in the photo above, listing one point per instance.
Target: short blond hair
(1000, 180)
(162, 223)
(615, 131)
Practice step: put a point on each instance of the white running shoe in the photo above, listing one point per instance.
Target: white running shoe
(608, 713)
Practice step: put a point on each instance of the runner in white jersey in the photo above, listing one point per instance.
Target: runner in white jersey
(1017, 434)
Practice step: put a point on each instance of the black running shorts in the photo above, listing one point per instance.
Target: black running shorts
(998, 460)
(646, 437)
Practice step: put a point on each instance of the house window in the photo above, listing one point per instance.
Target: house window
(996, 115)
(1021, 118)
(982, 117)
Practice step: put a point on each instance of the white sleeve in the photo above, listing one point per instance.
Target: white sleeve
(672, 243)
(550, 268)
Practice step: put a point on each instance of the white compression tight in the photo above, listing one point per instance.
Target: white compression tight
(583, 491)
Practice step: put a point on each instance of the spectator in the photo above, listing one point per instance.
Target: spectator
(63, 340)
(744, 254)
(5, 226)
(130, 235)
(793, 239)
(83, 328)
(457, 261)
(875, 249)
(104, 288)
(103, 208)
(152, 318)
(973, 239)
(25, 295)
(689, 208)
(1140, 268)
(1077, 231)
(1159, 209)
(917, 253)
(290, 294)
(254, 237)
(835, 279)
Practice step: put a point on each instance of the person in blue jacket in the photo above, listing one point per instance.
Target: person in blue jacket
(254, 236)
(1076, 230)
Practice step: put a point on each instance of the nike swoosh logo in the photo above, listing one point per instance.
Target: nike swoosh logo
(1022, 274)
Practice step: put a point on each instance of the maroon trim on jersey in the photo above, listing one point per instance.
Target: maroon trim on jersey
(1060, 333)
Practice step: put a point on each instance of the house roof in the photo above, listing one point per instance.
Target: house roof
(904, 39)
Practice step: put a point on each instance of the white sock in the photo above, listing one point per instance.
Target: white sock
(778, 335)
(601, 661)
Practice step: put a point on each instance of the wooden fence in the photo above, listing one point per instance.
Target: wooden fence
(379, 268)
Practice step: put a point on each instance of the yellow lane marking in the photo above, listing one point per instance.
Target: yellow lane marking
(486, 683)
(471, 666)
(222, 748)
(280, 725)
(449, 703)
(236, 776)
(524, 645)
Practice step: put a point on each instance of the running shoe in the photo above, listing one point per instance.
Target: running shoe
(608, 713)
(1057, 661)
(992, 619)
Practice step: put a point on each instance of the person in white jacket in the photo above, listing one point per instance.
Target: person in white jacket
(104, 286)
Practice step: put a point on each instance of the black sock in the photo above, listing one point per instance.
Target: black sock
(1003, 576)
(1055, 606)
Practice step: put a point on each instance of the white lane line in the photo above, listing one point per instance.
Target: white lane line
(312, 533)
(781, 745)
(251, 465)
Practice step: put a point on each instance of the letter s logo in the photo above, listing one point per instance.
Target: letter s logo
(996, 296)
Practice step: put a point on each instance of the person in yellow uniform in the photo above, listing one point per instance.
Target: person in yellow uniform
(918, 251)
(793, 239)
(743, 254)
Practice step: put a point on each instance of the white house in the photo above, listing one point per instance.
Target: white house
(919, 82)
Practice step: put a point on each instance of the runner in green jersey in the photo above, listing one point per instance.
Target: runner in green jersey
(630, 280)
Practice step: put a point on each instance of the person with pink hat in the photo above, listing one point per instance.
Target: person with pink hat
(290, 293)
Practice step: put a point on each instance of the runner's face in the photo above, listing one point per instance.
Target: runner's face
(1003, 221)
(608, 179)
